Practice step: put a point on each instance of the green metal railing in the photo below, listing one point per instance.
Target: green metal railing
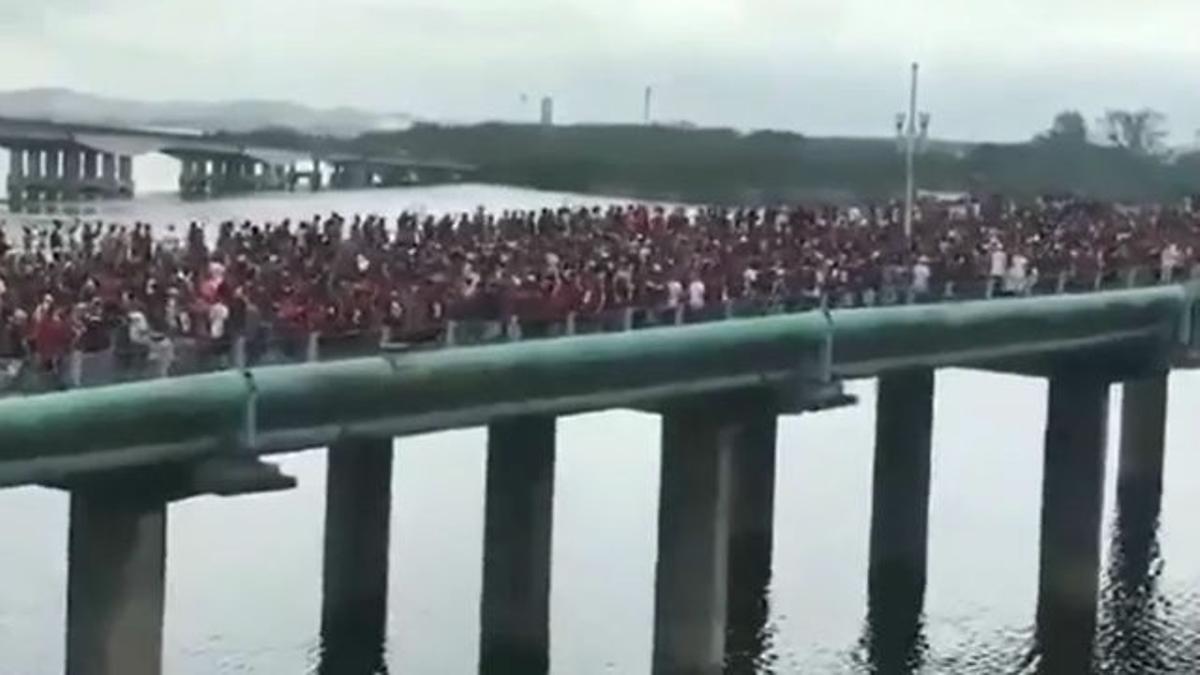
(290, 407)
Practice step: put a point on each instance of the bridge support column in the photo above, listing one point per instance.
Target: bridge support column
(33, 168)
(358, 502)
(1072, 504)
(16, 178)
(53, 172)
(90, 165)
(115, 583)
(518, 524)
(16, 162)
(751, 538)
(1143, 432)
(695, 514)
(72, 168)
(125, 184)
(899, 515)
(314, 183)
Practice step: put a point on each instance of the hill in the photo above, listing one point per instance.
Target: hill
(65, 105)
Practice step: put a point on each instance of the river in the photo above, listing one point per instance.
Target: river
(243, 574)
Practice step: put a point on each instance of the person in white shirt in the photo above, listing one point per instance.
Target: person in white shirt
(1015, 282)
(1169, 260)
(920, 277)
(674, 293)
(696, 294)
(998, 261)
(218, 314)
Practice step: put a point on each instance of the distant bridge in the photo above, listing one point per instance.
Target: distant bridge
(53, 161)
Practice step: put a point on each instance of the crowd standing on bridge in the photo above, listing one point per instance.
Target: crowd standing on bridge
(92, 286)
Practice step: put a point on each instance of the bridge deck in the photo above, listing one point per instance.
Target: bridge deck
(292, 407)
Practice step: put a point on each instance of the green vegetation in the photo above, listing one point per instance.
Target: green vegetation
(724, 165)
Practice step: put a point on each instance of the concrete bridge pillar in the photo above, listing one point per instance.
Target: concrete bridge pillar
(315, 179)
(72, 170)
(53, 172)
(1143, 432)
(899, 515)
(900, 496)
(115, 582)
(1072, 505)
(751, 538)
(90, 165)
(358, 502)
(108, 167)
(33, 167)
(16, 162)
(716, 492)
(125, 173)
(72, 165)
(515, 606)
(16, 178)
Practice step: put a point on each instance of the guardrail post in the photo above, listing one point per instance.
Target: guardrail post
(1131, 278)
(570, 323)
(678, 315)
(312, 349)
(451, 337)
(627, 318)
(75, 369)
(239, 352)
(1062, 283)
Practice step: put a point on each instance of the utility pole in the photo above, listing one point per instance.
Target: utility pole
(910, 150)
(646, 106)
(911, 136)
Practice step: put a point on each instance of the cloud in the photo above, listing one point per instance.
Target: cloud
(991, 68)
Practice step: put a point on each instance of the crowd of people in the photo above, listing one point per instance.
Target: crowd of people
(92, 286)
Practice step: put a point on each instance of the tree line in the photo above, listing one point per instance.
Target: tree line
(1122, 157)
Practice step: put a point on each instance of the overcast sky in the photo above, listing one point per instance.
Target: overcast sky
(991, 70)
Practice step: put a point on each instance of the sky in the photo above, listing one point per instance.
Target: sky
(994, 70)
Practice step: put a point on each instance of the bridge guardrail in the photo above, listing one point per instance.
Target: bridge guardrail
(274, 344)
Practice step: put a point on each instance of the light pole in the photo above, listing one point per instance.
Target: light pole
(915, 132)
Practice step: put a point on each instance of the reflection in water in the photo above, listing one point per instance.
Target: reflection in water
(352, 650)
(1132, 637)
(748, 638)
(894, 637)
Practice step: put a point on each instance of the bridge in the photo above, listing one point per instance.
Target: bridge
(52, 162)
(126, 452)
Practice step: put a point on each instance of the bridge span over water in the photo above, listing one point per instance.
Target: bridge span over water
(125, 452)
(54, 162)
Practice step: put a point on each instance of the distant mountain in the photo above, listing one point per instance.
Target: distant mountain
(65, 105)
